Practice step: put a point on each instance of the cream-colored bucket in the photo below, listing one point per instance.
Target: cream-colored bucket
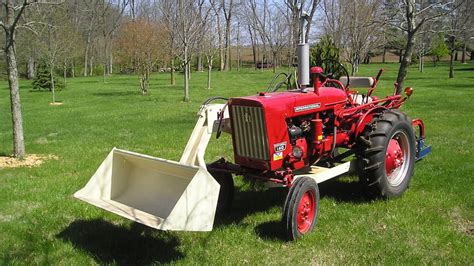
(159, 193)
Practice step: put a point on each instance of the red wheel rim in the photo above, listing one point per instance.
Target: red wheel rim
(397, 158)
(393, 157)
(306, 212)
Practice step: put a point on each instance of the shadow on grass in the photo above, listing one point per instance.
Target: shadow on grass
(465, 69)
(116, 93)
(271, 231)
(344, 191)
(247, 203)
(108, 243)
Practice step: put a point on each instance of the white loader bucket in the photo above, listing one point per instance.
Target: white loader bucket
(159, 193)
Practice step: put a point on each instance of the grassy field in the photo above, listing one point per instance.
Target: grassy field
(40, 222)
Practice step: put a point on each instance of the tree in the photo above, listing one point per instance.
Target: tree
(272, 30)
(55, 38)
(324, 49)
(210, 49)
(438, 48)
(44, 79)
(188, 23)
(11, 16)
(110, 14)
(227, 8)
(458, 28)
(140, 43)
(410, 22)
(352, 26)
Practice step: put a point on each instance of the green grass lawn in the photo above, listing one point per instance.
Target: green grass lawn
(40, 222)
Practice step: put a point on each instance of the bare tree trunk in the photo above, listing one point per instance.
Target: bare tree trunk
(221, 48)
(30, 68)
(65, 71)
(451, 64)
(274, 61)
(384, 54)
(86, 53)
(421, 63)
(228, 20)
(209, 69)
(73, 68)
(91, 66)
(105, 63)
(238, 47)
(410, 12)
(186, 74)
(17, 120)
(463, 56)
(199, 62)
(254, 48)
(406, 61)
(111, 63)
(173, 80)
(104, 72)
(52, 83)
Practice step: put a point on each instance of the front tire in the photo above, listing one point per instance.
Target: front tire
(385, 160)
(301, 208)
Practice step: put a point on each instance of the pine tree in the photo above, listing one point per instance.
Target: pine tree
(42, 80)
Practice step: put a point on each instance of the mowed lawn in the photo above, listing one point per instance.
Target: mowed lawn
(41, 223)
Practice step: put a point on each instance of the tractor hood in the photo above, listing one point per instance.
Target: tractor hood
(294, 103)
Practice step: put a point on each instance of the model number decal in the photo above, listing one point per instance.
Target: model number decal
(307, 107)
(280, 146)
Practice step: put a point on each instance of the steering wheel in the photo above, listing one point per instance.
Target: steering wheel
(334, 69)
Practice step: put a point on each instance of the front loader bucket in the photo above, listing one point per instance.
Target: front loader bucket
(159, 193)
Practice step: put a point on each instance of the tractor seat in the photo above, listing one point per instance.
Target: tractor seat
(358, 82)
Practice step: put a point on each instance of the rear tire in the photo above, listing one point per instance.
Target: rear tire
(226, 192)
(301, 208)
(385, 160)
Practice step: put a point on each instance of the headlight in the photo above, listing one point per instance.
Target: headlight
(297, 152)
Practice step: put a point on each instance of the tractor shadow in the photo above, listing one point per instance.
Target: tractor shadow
(247, 203)
(107, 243)
(345, 189)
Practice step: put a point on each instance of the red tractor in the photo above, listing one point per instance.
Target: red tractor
(297, 138)
(286, 137)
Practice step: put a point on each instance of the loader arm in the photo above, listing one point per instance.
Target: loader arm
(197, 144)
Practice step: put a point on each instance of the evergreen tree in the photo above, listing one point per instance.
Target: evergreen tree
(323, 50)
(42, 80)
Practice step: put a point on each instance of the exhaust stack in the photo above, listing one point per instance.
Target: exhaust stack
(303, 53)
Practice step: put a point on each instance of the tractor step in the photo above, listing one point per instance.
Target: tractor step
(321, 174)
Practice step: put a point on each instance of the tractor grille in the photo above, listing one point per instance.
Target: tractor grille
(250, 133)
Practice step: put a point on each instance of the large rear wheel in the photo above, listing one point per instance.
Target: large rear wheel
(386, 158)
(301, 208)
